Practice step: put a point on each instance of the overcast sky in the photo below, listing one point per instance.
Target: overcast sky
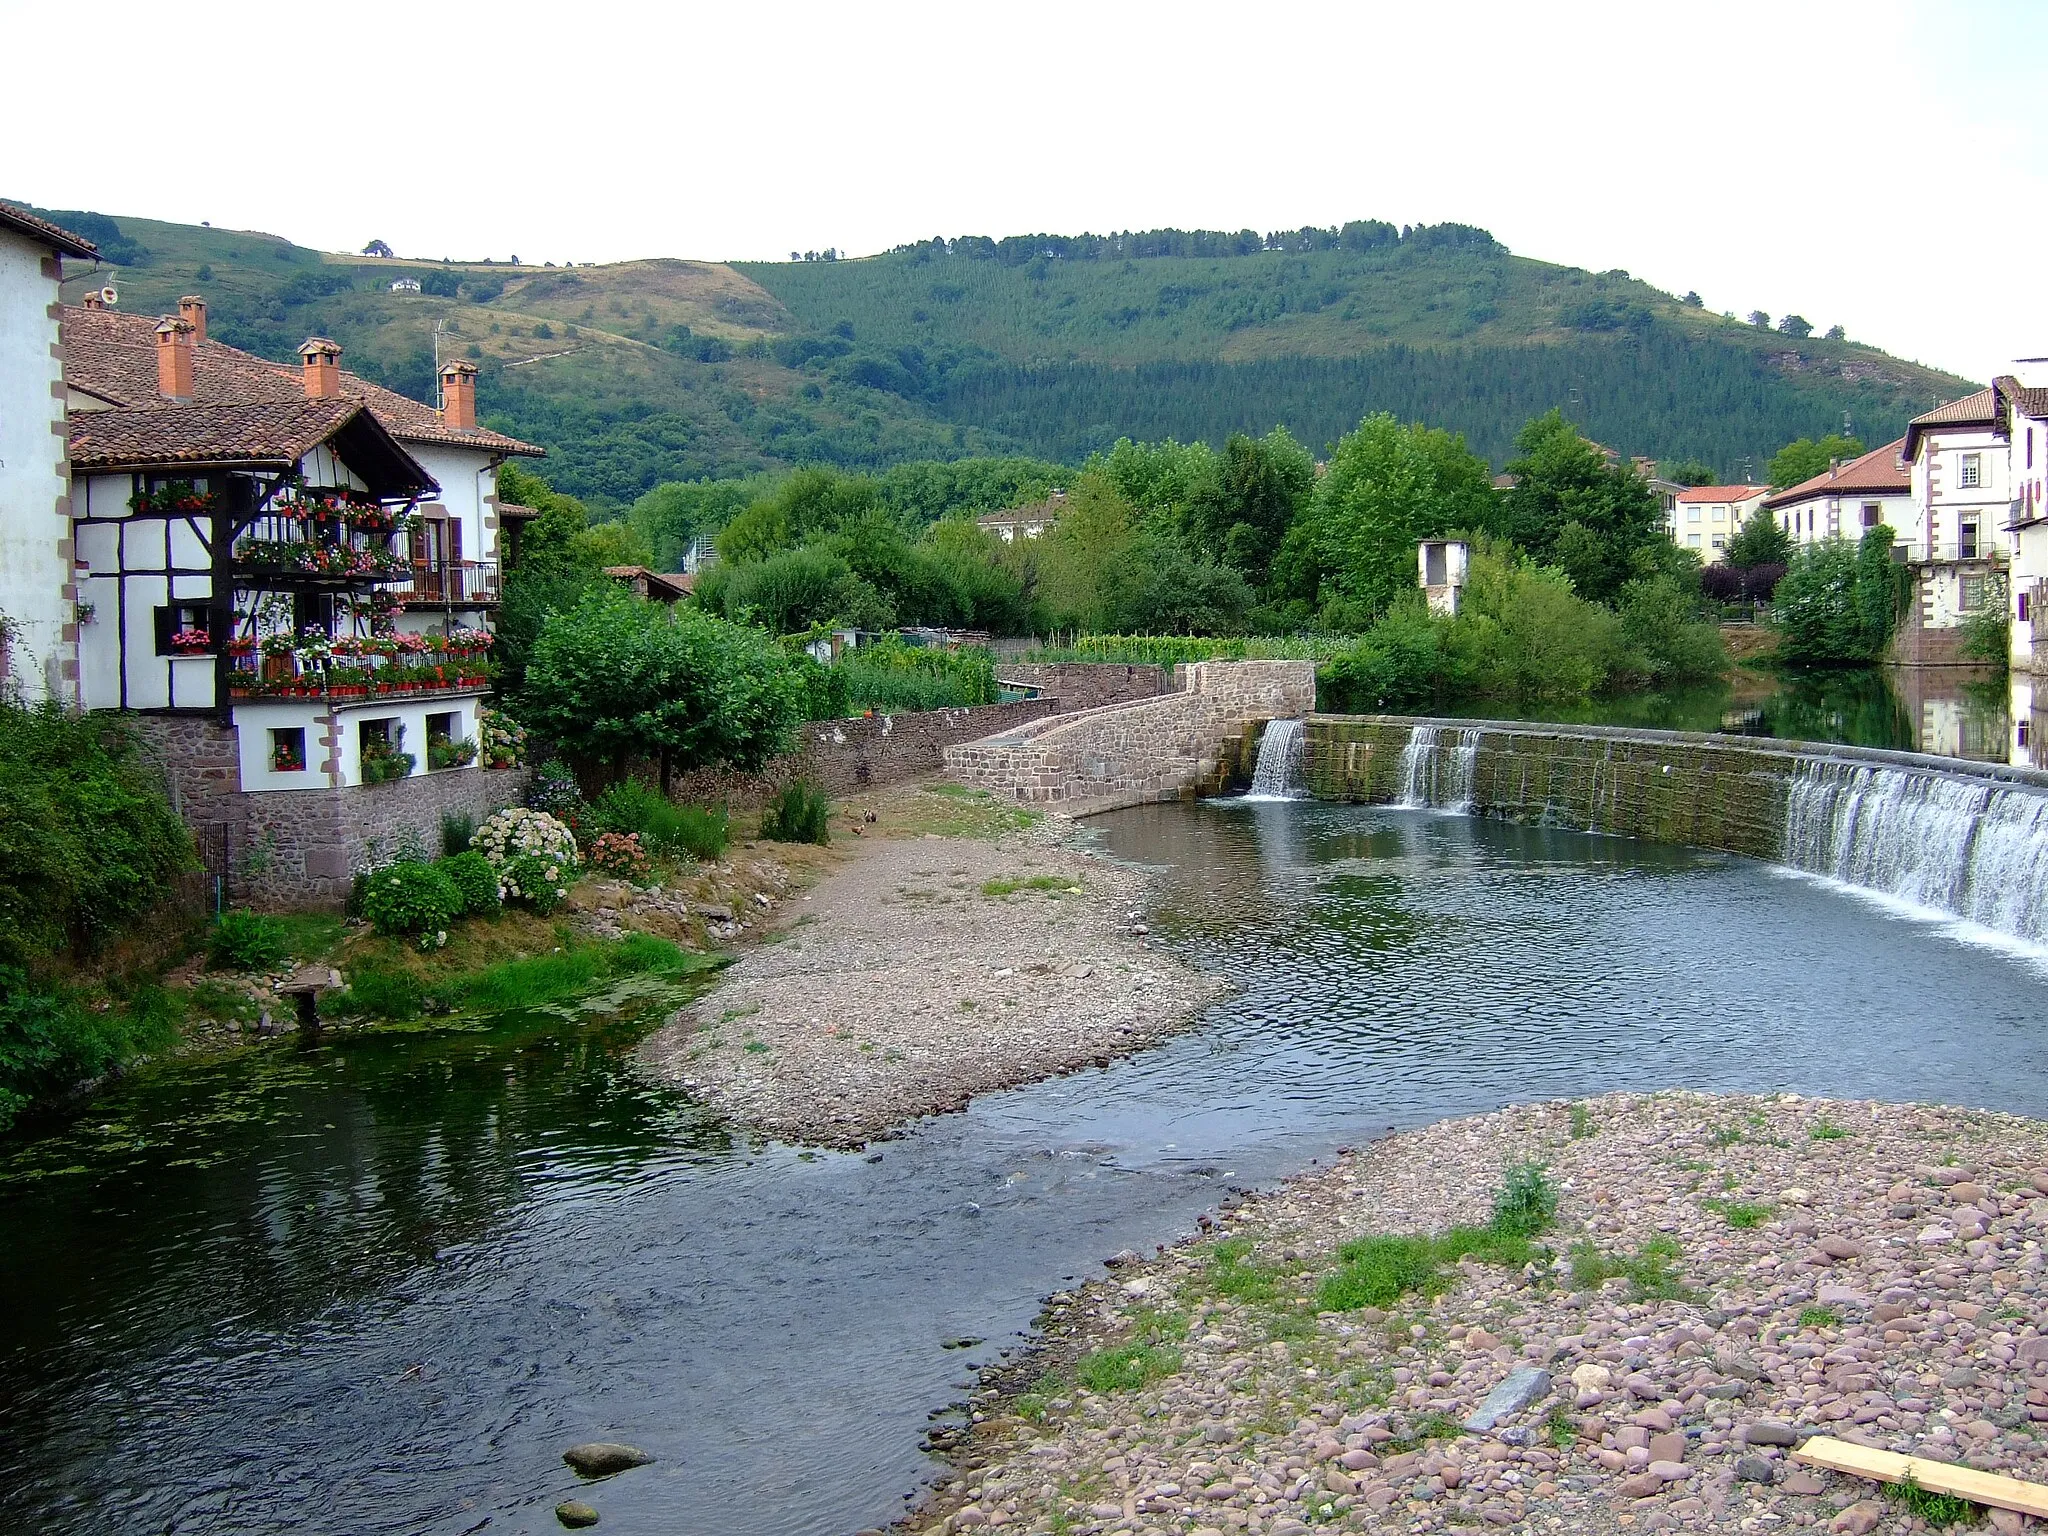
(1879, 164)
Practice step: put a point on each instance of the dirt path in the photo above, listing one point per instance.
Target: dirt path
(925, 970)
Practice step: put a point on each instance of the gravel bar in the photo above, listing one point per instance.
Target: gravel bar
(1868, 1271)
(928, 970)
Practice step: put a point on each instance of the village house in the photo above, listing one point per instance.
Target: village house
(38, 612)
(1703, 518)
(2026, 527)
(1028, 522)
(289, 575)
(1957, 544)
(1849, 498)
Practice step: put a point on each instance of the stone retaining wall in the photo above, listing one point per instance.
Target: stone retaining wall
(1082, 685)
(845, 755)
(1709, 791)
(296, 848)
(1175, 746)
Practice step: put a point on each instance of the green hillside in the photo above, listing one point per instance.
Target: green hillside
(645, 371)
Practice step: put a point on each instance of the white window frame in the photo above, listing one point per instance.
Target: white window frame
(1970, 473)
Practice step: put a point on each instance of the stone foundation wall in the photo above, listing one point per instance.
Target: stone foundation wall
(1178, 745)
(1725, 792)
(296, 848)
(842, 756)
(1082, 685)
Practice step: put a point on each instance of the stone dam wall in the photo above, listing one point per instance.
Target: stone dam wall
(1190, 742)
(1731, 793)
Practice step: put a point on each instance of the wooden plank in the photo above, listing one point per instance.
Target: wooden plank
(1934, 1476)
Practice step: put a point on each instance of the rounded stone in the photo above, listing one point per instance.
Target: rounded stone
(601, 1458)
(575, 1514)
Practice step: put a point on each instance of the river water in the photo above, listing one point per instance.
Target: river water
(379, 1285)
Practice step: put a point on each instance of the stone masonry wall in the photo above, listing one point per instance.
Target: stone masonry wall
(1707, 791)
(1082, 685)
(1166, 748)
(292, 848)
(845, 755)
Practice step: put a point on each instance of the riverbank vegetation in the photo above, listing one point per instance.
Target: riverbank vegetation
(89, 849)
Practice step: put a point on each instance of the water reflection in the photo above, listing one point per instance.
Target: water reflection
(1965, 712)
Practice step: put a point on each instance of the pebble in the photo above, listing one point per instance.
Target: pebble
(1677, 1412)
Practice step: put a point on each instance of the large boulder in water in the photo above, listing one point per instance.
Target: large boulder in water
(601, 1458)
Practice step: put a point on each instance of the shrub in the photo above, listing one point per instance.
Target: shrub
(457, 828)
(516, 832)
(49, 1042)
(247, 941)
(475, 881)
(538, 882)
(619, 854)
(381, 994)
(626, 807)
(414, 899)
(674, 831)
(88, 839)
(500, 738)
(1526, 1203)
(555, 791)
(800, 814)
(887, 675)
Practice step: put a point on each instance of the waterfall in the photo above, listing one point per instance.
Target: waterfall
(1974, 848)
(1435, 777)
(1278, 775)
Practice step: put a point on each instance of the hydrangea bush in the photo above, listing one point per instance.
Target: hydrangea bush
(619, 853)
(541, 883)
(500, 739)
(413, 899)
(521, 832)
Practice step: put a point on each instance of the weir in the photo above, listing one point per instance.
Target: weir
(1278, 773)
(1966, 839)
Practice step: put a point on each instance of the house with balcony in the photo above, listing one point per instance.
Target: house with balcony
(1703, 518)
(1849, 499)
(287, 577)
(38, 634)
(1956, 543)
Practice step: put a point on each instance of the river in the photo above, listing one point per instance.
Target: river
(379, 1285)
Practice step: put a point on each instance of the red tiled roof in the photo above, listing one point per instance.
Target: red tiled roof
(1978, 409)
(114, 354)
(55, 236)
(1722, 492)
(276, 432)
(1879, 471)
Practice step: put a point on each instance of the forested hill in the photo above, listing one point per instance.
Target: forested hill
(645, 371)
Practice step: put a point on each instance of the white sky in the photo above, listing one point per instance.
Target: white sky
(1878, 164)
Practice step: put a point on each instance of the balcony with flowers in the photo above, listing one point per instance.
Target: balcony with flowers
(322, 536)
(315, 664)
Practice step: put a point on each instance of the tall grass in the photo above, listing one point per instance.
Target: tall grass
(666, 829)
(889, 676)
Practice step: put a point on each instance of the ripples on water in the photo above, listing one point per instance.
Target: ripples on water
(378, 1286)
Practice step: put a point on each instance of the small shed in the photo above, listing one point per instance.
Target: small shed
(1441, 565)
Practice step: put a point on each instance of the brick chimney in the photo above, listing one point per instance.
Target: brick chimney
(174, 358)
(458, 395)
(92, 299)
(320, 361)
(192, 310)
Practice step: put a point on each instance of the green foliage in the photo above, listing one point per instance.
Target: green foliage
(1112, 565)
(1742, 1214)
(530, 982)
(88, 840)
(51, 1040)
(665, 829)
(1648, 1270)
(1688, 472)
(1838, 601)
(379, 993)
(1987, 633)
(1401, 662)
(887, 675)
(1388, 486)
(1526, 1203)
(800, 814)
(1803, 458)
(1009, 885)
(1582, 1125)
(615, 677)
(1760, 541)
(247, 941)
(1819, 1317)
(1825, 1129)
(1232, 1272)
(474, 881)
(1935, 1510)
(1378, 1271)
(1126, 1367)
(536, 882)
(412, 899)
(457, 828)
(1572, 509)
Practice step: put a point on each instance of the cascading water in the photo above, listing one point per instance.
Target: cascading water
(1433, 777)
(1278, 774)
(1970, 847)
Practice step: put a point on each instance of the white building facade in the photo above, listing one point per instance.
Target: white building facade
(38, 615)
(1703, 518)
(1849, 499)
